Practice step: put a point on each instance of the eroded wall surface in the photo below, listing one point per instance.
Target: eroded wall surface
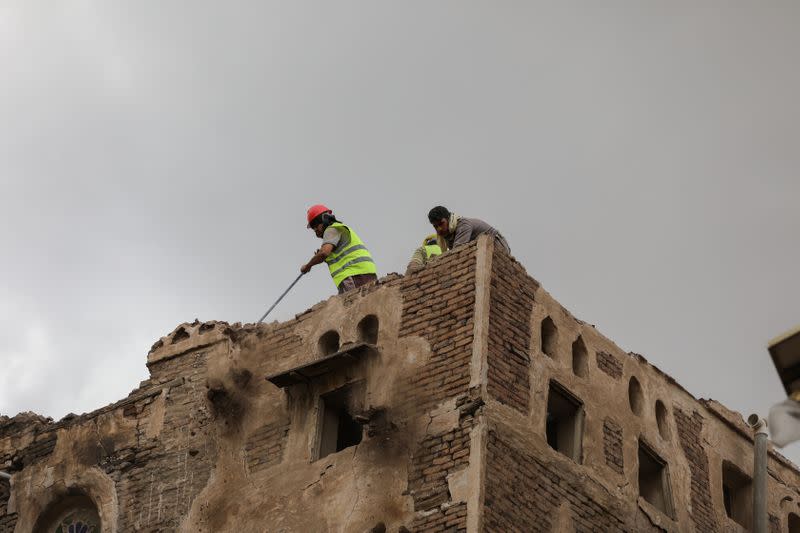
(208, 444)
(530, 486)
(453, 394)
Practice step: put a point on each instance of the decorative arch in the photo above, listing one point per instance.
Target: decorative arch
(549, 337)
(75, 513)
(368, 329)
(635, 396)
(87, 495)
(328, 343)
(580, 358)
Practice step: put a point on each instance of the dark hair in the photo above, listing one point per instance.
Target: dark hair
(438, 213)
(326, 219)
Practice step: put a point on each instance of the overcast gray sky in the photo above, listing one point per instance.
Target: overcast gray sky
(157, 159)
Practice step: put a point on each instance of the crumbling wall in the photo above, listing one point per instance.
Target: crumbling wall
(412, 468)
(455, 388)
(22, 441)
(530, 486)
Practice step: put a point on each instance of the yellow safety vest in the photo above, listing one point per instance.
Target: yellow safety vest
(349, 258)
(432, 250)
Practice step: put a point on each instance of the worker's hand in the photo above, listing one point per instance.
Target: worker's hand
(305, 268)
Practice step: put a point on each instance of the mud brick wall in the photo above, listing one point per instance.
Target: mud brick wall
(524, 492)
(451, 519)
(435, 458)
(43, 445)
(511, 300)
(690, 429)
(264, 448)
(7, 521)
(612, 445)
(609, 364)
(439, 305)
(157, 478)
(282, 340)
(44, 442)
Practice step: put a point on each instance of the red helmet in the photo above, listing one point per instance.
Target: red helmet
(316, 210)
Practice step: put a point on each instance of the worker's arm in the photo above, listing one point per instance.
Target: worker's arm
(463, 233)
(317, 258)
(417, 261)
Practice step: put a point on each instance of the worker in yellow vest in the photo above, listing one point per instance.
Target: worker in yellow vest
(348, 259)
(430, 248)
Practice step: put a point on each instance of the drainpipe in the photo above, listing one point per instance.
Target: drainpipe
(759, 426)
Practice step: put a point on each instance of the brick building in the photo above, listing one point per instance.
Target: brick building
(462, 397)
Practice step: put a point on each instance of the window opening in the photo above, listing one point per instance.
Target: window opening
(794, 523)
(73, 513)
(635, 396)
(329, 343)
(368, 329)
(549, 337)
(580, 358)
(564, 422)
(654, 480)
(338, 427)
(662, 419)
(737, 494)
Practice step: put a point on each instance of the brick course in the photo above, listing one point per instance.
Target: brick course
(509, 361)
(158, 478)
(690, 429)
(609, 364)
(612, 445)
(523, 493)
(449, 519)
(436, 457)
(438, 305)
(264, 448)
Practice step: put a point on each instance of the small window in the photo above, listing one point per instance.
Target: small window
(654, 480)
(635, 396)
(329, 343)
(564, 422)
(794, 523)
(580, 358)
(338, 428)
(368, 329)
(737, 494)
(662, 419)
(549, 337)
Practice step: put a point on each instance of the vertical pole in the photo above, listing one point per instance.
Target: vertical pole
(759, 426)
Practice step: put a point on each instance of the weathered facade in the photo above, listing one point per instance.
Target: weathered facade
(461, 397)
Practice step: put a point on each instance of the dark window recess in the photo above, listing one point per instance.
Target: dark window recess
(564, 423)
(580, 358)
(338, 427)
(662, 419)
(654, 480)
(737, 494)
(549, 337)
(794, 523)
(329, 343)
(368, 329)
(635, 396)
